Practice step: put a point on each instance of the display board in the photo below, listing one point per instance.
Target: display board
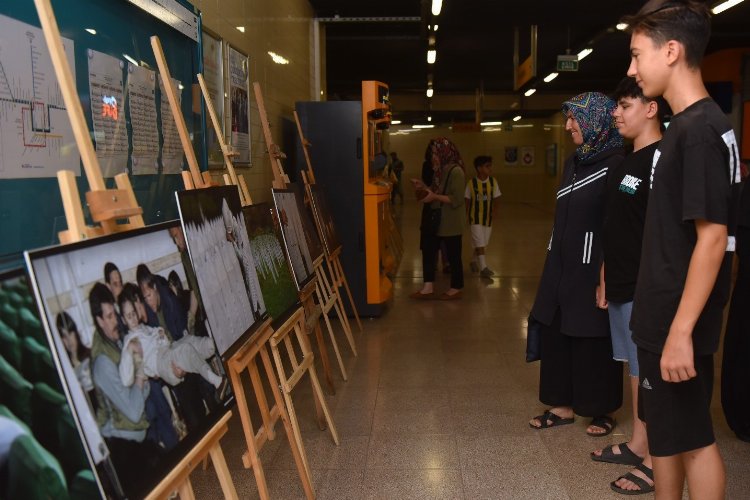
(324, 219)
(114, 68)
(149, 351)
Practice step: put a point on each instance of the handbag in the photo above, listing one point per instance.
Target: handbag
(533, 340)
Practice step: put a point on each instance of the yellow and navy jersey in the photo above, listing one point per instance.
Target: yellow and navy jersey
(480, 195)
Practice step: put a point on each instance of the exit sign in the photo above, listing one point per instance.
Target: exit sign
(567, 63)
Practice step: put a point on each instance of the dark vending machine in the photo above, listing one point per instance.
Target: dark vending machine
(345, 138)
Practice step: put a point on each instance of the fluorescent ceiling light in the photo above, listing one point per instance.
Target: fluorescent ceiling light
(492, 129)
(584, 53)
(130, 59)
(430, 91)
(241, 29)
(429, 118)
(525, 125)
(277, 58)
(489, 124)
(550, 77)
(431, 56)
(436, 6)
(435, 28)
(728, 4)
(91, 30)
(622, 26)
(395, 122)
(423, 126)
(529, 92)
(516, 118)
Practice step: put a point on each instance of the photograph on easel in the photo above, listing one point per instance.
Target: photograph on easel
(274, 275)
(43, 460)
(324, 218)
(314, 244)
(295, 239)
(154, 383)
(219, 246)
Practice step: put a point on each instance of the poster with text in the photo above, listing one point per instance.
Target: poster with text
(108, 112)
(145, 136)
(239, 98)
(213, 74)
(171, 149)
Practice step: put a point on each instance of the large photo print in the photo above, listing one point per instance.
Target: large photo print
(295, 238)
(216, 235)
(324, 219)
(136, 352)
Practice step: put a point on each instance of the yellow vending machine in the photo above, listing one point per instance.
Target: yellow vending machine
(348, 152)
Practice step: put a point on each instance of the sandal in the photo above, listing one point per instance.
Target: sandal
(553, 419)
(625, 457)
(643, 486)
(603, 422)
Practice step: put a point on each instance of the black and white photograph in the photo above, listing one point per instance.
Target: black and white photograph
(293, 233)
(142, 370)
(324, 219)
(314, 245)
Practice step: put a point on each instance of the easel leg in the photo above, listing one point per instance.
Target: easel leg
(325, 360)
(225, 479)
(340, 271)
(262, 402)
(335, 345)
(186, 490)
(318, 392)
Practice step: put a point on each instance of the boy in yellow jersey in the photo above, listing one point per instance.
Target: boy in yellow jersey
(481, 192)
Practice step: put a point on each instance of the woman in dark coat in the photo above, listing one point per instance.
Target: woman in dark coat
(577, 373)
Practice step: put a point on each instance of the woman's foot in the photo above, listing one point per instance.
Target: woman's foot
(601, 426)
(623, 453)
(552, 417)
(451, 294)
(638, 481)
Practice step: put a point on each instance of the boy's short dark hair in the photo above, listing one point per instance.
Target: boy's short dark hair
(481, 160)
(687, 21)
(628, 87)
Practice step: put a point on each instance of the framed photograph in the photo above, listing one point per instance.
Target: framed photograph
(324, 219)
(314, 244)
(216, 235)
(213, 74)
(295, 238)
(239, 103)
(271, 263)
(550, 160)
(511, 155)
(153, 384)
(527, 156)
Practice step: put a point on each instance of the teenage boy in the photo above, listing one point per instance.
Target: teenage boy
(480, 194)
(638, 119)
(683, 280)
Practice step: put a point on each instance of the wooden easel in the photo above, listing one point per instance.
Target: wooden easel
(106, 205)
(333, 260)
(192, 178)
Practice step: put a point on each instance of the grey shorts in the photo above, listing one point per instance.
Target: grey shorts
(623, 347)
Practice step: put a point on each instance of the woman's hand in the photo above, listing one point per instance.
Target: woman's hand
(418, 184)
(429, 197)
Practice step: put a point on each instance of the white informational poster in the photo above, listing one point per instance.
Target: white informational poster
(239, 90)
(171, 150)
(36, 138)
(213, 74)
(108, 112)
(145, 137)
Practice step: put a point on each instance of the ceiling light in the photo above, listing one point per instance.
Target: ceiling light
(91, 30)
(550, 77)
(423, 126)
(489, 124)
(277, 58)
(622, 26)
(529, 92)
(492, 129)
(727, 4)
(584, 53)
(395, 122)
(435, 28)
(430, 92)
(516, 118)
(436, 6)
(241, 29)
(429, 118)
(431, 56)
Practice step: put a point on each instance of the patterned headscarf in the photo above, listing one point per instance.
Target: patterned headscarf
(593, 112)
(448, 155)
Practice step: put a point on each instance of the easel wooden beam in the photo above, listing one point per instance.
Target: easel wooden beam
(280, 179)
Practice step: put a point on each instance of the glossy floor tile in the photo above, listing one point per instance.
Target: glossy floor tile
(438, 400)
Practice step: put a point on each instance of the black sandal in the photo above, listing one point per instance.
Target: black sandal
(625, 457)
(603, 422)
(554, 419)
(643, 486)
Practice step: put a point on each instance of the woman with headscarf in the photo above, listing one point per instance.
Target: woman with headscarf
(577, 372)
(445, 193)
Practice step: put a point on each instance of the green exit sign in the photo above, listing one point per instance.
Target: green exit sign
(567, 63)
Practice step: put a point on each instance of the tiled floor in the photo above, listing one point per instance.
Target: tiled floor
(438, 399)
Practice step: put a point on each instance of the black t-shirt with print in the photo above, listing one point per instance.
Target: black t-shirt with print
(694, 170)
(627, 198)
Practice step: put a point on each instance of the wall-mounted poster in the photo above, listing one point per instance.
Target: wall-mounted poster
(239, 99)
(527, 156)
(153, 384)
(219, 246)
(550, 161)
(143, 122)
(294, 236)
(213, 74)
(274, 275)
(511, 155)
(324, 219)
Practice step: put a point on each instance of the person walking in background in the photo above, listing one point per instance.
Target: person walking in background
(481, 208)
(638, 118)
(442, 217)
(577, 372)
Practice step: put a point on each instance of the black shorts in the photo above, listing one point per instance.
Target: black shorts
(677, 415)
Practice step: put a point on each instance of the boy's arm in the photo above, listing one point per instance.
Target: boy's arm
(677, 357)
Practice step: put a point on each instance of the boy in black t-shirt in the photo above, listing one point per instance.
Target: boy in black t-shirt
(683, 280)
(638, 118)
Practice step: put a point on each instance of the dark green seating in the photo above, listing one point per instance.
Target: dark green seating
(31, 326)
(33, 472)
(37, 364)
(47, 406)
(9, 315)
(84, 487)
(16, 299)
(5, 412)
(75, 457)
(16, 391)
(3, 296)
(10, 345)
